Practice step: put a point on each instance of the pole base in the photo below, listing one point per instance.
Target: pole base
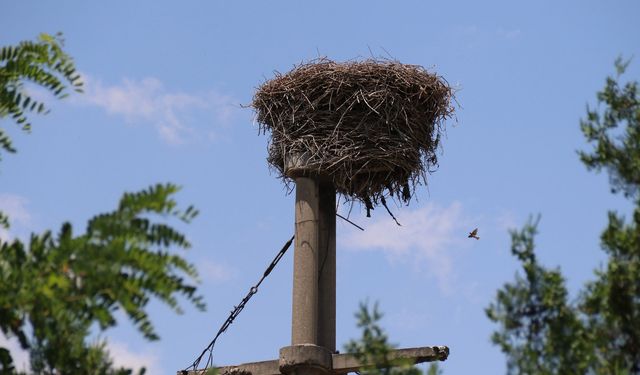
(305, 359)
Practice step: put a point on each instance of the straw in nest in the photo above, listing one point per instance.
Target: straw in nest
(372, 127)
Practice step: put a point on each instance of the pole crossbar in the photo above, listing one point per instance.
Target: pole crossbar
(341, 363)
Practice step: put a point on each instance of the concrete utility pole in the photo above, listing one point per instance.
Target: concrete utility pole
(313, 322)
(313, 325)
(314, 273)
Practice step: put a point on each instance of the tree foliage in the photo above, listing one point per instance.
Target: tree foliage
(58, 285)
(42, 63)
(615, 134)
(541, 331)
(612, 300)
(57, 288)
(373, 347)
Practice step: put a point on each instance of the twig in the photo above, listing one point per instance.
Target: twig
(350, 222)
(384, 203)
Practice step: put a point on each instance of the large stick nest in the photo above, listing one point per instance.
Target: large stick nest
(372, 127)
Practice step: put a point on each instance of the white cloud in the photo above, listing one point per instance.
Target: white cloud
(509, 34)
(215, 272)
(505, 221)
(470, 30)
(408, 320)
(428, 237)
(19, 355)
(123, 355)
(171, 113)
(14, 206)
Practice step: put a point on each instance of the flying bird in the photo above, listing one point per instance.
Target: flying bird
(474, 234)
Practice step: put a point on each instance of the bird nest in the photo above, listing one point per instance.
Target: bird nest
(372, 127)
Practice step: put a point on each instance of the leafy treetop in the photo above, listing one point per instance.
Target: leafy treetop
(43, 63)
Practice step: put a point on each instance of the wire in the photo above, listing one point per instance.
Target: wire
(349, 221)
(236, 311)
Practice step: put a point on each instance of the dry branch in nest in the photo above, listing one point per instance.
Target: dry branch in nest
(372, 127)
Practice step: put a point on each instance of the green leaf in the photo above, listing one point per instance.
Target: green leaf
(4, 221)
(43, 63)
(540, 329)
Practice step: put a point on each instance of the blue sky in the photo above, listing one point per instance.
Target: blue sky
(165, 85)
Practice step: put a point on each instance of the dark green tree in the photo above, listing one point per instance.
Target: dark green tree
(540, 330)
(373, 347)
(56, 287)
(612, 301)
(42, 63)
